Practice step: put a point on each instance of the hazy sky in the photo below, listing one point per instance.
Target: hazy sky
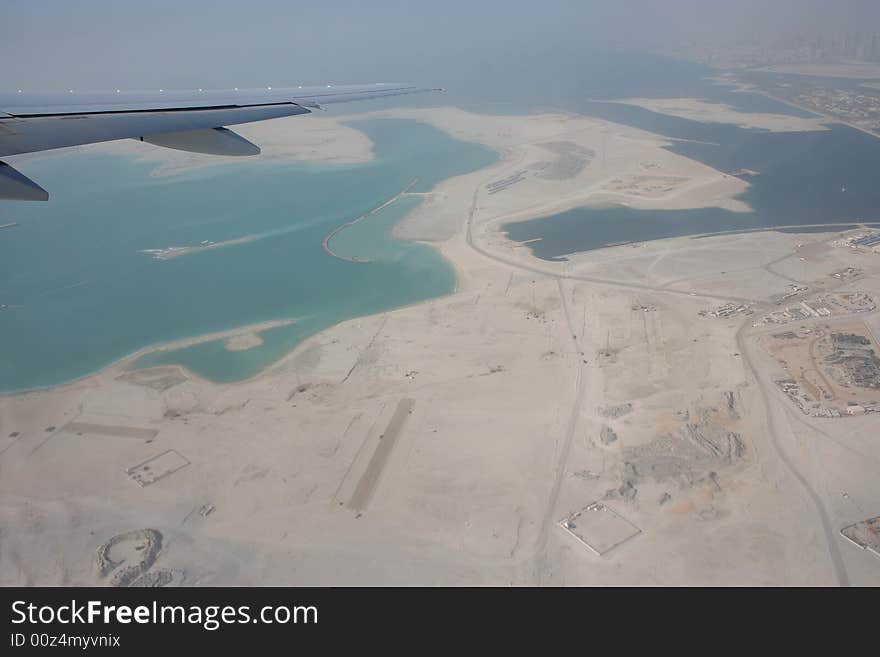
(100, 44)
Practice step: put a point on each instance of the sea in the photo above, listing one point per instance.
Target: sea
(795, 178)
(79, 288)
(79, 293)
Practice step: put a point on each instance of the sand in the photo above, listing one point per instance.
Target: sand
(624, 167)
(696, 109)
(494, 400)
(243, 342)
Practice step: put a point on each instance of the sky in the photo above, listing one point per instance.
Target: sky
(99, 44)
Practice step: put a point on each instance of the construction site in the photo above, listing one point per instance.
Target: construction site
(828, 372)
(862, 241)
(825, 305)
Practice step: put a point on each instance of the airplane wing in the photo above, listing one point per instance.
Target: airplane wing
(189, 120)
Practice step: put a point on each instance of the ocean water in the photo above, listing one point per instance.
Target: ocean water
(818, 177)
(80, 295)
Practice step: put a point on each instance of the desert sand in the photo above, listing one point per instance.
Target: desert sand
(566, 423)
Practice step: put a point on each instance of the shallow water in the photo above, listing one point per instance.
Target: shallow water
(81, 295)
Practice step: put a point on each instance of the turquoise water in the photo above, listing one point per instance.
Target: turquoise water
(370, 239)
(80, 295)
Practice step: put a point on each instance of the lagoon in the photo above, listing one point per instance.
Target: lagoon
(804, 178)
(81, 294)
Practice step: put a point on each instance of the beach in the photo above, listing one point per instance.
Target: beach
(851, 69)
(696, 109)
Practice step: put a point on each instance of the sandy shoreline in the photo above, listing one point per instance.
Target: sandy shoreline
(325, 244)
(828, 117)
(696, 109)
(854, 69)
(623, 165)
(122, 364)
(532, 392)
(521, 141)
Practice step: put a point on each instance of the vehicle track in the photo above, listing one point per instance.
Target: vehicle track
(575, 277)
(839, 568)
(837, 563)
(565, 448)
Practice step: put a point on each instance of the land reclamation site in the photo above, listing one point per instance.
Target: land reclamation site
(651, 411)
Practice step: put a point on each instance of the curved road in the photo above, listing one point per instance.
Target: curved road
(830, 535)
(838, 566)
